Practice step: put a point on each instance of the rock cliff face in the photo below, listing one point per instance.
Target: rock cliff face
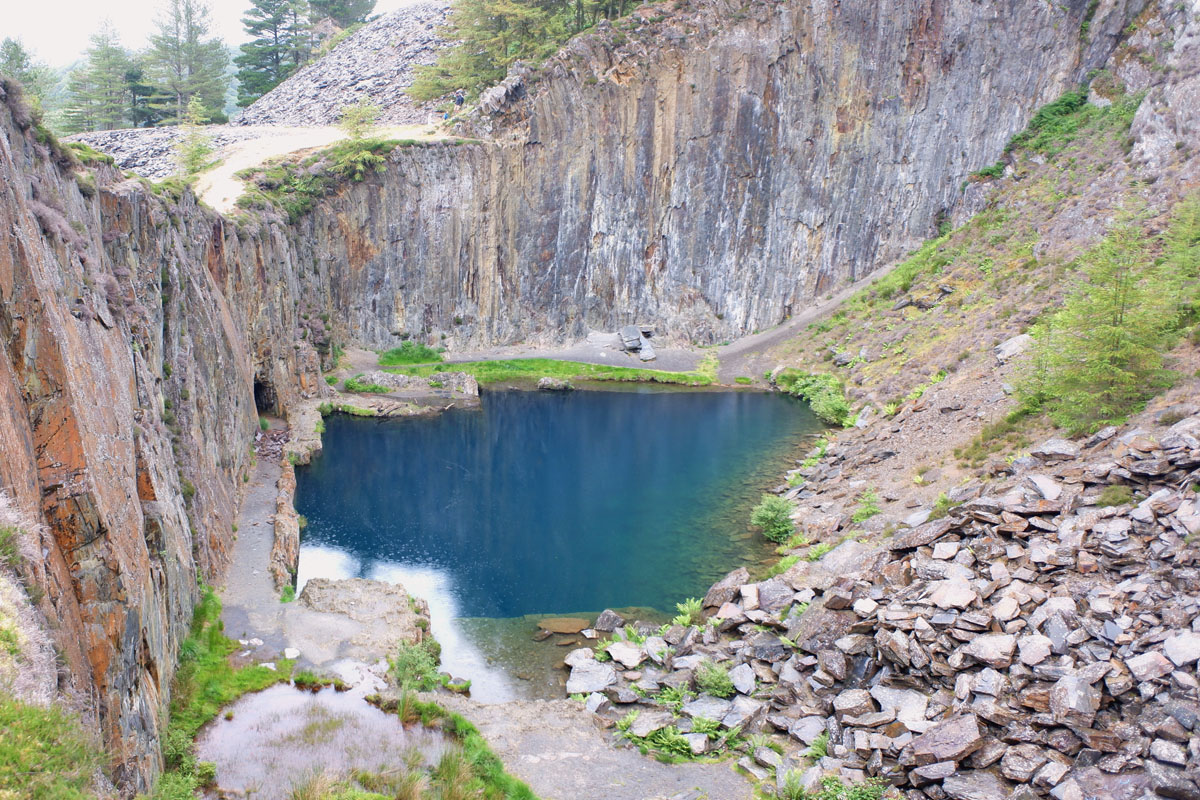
(132, 334)
(708, 172)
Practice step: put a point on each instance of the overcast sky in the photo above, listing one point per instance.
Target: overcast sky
(57, 31)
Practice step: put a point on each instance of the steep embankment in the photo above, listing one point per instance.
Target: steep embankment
(749, 158)
(135, 331)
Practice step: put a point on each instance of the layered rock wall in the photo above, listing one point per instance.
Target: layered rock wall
(132, 332)
(710, 171)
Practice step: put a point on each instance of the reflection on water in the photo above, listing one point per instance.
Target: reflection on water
(545, 504)
(269, 742)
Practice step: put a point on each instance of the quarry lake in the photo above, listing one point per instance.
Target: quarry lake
(542, 504)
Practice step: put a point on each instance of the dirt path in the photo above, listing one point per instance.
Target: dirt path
(556, 747)
(220, 188)
(750, 355)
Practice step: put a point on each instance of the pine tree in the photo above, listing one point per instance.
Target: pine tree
(184, 62)
(98, 94)
(1100, 356)
(344, 12)
(279, 44)
(146, 101)
(492, 34)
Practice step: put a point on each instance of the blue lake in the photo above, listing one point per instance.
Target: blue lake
(545, 503)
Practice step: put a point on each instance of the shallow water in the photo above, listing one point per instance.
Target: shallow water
(274, 738)
(543, 504)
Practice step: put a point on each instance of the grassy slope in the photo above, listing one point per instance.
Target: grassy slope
(534, 368)
(988, 280)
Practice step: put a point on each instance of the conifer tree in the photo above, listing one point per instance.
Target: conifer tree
(184, 62)
(18, 63)
(1101, 355)
(98, 94)
(344, 12)
(279, 45)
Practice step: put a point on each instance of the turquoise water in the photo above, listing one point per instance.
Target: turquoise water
(546, 503)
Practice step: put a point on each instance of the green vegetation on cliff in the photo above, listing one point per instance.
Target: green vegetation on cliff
(45, 753)
(492, 34)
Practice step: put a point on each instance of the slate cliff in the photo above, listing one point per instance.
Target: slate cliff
(708, 172)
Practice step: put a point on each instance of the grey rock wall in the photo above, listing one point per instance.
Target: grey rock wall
(710, 173)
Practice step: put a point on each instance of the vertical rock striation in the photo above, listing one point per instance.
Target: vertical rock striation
(710, 171)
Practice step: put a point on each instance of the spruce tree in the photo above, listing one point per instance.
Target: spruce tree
(279, 33)
(344, 12)
(185, 62)
(97, 92)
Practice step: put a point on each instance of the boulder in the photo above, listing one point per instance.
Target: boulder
(975, 786)
(590, 676)
(951, 740)
(1011, 348)
(608, 621)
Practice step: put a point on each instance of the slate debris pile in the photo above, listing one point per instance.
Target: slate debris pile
(375, 63)
(1029, 643)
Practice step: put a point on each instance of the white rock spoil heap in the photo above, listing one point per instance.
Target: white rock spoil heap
(375, 63)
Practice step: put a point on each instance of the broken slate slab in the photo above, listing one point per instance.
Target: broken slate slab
(743, 678)
(590, 676)
(1148, 666)
(626, 653)
(975, 786)
(951, 740)
(706, 706)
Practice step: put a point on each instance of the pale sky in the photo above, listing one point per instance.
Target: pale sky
(57, 31)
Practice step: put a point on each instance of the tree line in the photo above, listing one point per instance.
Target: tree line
(492, 34)
(183, 65)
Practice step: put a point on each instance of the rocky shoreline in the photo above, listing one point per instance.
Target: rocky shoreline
(1038, 637)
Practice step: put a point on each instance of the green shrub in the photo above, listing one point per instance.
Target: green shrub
(714, 679)
(868, 506)
(288, 594)
(415, 665)
(1115, 494)
(356, 384)
(263, 424)
(823, 393)
(409, 353)
(773, 516)
(45, 753)
(818, 551)
(691, 612)
(941, 507)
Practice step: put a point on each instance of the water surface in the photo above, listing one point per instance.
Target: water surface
(543, 503)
